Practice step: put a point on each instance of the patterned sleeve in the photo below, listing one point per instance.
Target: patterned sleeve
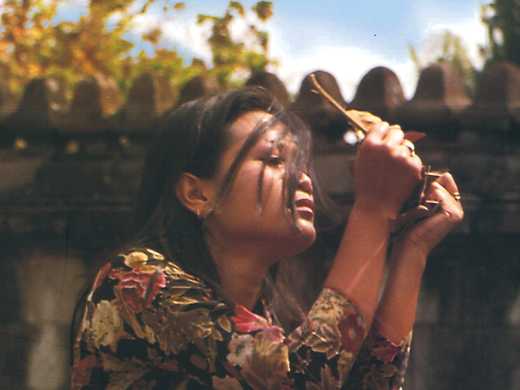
(148, 324)
(381, 364)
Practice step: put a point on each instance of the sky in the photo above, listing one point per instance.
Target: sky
(344, 37)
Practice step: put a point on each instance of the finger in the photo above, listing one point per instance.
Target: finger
(446, 180)
(405, 151)
(418, 166)
(431, 230)
(449, 209)
(377, 131)
(410, 146)
(439, 220)
(436, 192)
(447, 203)
(394, 136)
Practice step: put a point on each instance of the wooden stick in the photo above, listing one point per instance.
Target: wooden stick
(319, 89)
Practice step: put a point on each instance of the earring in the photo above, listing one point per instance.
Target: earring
(201, 214)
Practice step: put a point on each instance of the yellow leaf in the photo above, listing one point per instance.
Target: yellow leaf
(263, 9)
(153, 35)
(34, 70)
(202, 18)
(237, 7)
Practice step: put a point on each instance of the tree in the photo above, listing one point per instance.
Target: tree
(229, 55)
(447, 47)
(502, 18)
(100, 43)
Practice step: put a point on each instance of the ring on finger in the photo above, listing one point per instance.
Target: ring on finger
(456, 196)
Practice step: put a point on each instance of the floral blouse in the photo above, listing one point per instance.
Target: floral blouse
(148, 324)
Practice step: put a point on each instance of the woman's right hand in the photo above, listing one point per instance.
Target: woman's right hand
(386, 170)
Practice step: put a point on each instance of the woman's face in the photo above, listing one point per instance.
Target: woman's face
(237, 217)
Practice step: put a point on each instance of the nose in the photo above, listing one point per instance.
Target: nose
(305, 183)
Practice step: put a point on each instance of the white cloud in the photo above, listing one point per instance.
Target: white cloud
(350, 63)
(72, 6)
(186, 33)
(347, 63)
(183, 32)
(471, 30)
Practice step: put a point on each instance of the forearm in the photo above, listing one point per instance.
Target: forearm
(396, 312)
(358, 267)
(382, 360)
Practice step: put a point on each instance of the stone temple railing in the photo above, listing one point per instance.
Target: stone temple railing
(56, 158)
(69, 173)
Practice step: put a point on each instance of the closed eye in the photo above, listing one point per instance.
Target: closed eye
(274, 160)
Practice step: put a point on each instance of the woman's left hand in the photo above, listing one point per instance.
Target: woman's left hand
(426, 234)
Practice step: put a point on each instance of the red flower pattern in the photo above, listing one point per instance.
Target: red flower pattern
(139, 289)
(246, 321)
(139, 281)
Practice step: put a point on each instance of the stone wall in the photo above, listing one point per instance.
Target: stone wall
(69, 173)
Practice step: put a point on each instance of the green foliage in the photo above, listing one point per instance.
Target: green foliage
(33, 44)
(502, 18)
(451, 50)
(263, 9)
(230, 56)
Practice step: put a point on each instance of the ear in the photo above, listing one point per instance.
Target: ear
(194, 193)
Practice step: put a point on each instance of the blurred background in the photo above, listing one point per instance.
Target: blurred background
(85, 84)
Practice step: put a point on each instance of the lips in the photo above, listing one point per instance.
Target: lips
(305, 206)
(304, 202)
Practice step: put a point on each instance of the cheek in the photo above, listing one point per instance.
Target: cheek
(238, 217)
(240, 205)
(245, 196)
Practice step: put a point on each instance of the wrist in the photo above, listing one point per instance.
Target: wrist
(372, 210)
(410, 254)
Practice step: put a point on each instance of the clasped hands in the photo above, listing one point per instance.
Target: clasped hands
(387, 171)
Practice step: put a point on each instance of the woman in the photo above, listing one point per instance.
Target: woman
(226, 194)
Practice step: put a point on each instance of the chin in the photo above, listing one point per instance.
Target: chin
(307, 230)
(302, 239)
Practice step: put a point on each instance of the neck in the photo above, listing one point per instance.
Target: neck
(241, 272)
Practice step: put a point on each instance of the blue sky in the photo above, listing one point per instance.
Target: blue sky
(344, 37)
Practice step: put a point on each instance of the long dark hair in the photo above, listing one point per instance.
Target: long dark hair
(192, 139)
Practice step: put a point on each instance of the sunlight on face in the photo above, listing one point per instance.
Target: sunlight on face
(255, 208)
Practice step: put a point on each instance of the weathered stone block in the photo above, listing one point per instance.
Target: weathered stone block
(379, 92)
(438, 100)
(272, 83)
(496, 107)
